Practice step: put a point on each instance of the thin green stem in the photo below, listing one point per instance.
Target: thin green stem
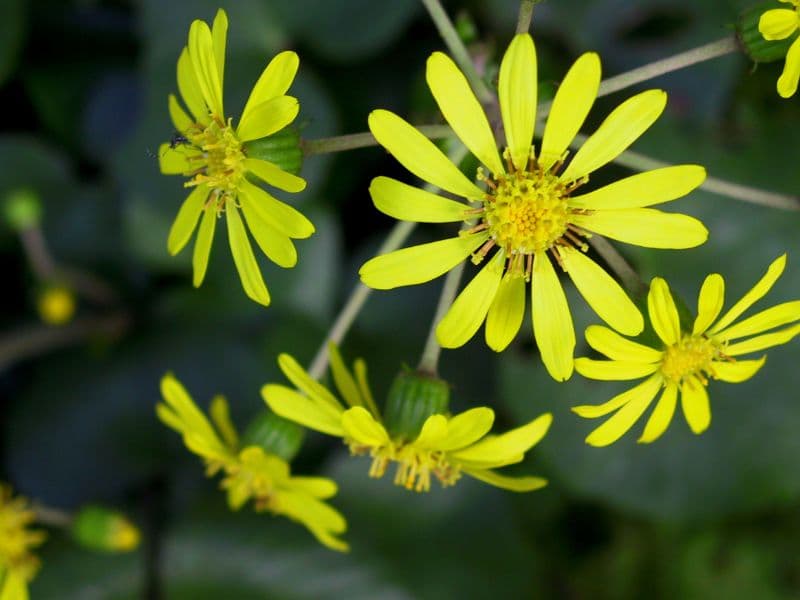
(627, 274)
(429, 361)
(525, 15)
(459, 51)
(726, 45)
(353, 141)
(54, 517)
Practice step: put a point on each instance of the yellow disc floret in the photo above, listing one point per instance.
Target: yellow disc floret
(691, 357)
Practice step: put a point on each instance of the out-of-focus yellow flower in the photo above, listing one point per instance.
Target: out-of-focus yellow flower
(423, 439)
(250, 472)
(100, 528)
(56, 305)
(527, 212)
(18, 565)
(212, 153)
(780, 24)
(688, 356)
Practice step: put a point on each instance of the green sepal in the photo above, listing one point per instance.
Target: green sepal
(413, 398)
(281, 148)
(274, 434)
(751, 40)
(22, 209)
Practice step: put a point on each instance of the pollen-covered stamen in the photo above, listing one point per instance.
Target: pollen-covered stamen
(692, 356)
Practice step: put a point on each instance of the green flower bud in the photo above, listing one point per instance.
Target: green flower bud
(99, 528)
(22, 209)
(274, 434)
(751, 39)
(413, 398)
(281, 148)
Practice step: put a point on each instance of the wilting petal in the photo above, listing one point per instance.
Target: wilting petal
(517, 89)
(246, 264)
(696, 408)
(409, 203)
(274, 81)
(506, 312)
(616, 347)
(645, 227)
(737, 372)
(552, 321)
(663, 312)
(638, 399)
(662, 415)
(709, 303)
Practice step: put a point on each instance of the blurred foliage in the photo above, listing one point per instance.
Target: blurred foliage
(86, 83)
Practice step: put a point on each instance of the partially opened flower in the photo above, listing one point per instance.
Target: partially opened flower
(213, 154)
(688, 356)
(18, 565)
(251, 471)
(780, 24)
(416, 432)
(527, 213)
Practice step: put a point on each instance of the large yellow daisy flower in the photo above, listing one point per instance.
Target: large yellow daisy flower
(779, 24)
(213, 154)
(527, 212)
(688, 355)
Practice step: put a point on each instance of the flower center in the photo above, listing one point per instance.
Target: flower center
(691, 357)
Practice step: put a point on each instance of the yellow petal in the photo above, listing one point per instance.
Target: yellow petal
(177, 161)
(274, 81)
(517, 89)
(616, 347)
(13, 586)
(362, 427)
(768, 340)
(613, 370)
(169, 418)
(275, 244)
(180, 119)
(662, 415)
(758, 291)
(637, 401)
(221, 417)
(202, 244)
(620, 129)
(467, 428)
(319, 487)
(409, 203)
(267, 118)
(319, 518)
(307, 384)
(571, 105)
(418, 264)
(469, 310)
(499, 450)
(787, 82)
(506, 312)
(360, 368)
(249, 273)
(201, 53)
(291, 405)
(433, 431)
(696, 408)
(739, 371)
(663, 312)
(343, 379)
(512, 484)
(193, 422)
(709, 303)
(190, 90)
(274, 175)
(219, 35)
(643, 189)
(552, 322)
(279, 215)
(184, 224)
(462, 110)
(420, 155)
(778, 24)
(593, 411)
(782, 314)
(645, 227)
(602, 292)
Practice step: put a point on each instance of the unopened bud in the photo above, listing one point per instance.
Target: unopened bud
(99, 528)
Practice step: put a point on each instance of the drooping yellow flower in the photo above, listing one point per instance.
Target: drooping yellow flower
(779, 24)
(250, 471)
(18, 565)
(423, 439)
(211, 152)
(689, 355)
(527, 212)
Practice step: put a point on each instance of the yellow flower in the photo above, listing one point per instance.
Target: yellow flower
(442, 446)
(250, 472)
(18, 565)
(56, 304)
(527, 211)
(212, 153)
(689, 354)
(779, 24)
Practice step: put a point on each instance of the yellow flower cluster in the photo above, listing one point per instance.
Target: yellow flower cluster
(18, 565)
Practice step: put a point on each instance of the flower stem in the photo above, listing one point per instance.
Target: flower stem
(525, 15)
(459, 51)
(726, 45)
(364, 140)
(54, 517)
(429, 361)
(627, 274)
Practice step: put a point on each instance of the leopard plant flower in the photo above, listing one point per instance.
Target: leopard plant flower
(527, 211)
(416, 430)
(18, 565)
(259, 470)
(213, 155)
(686, 356)
(781, 24)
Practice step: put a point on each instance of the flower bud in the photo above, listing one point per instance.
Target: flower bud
(99, 528)
(22, 209)
(281, 148)
(274, 434)
(413, 398)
